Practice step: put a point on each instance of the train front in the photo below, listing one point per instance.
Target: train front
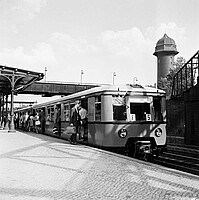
(134, 118)
(145, 130)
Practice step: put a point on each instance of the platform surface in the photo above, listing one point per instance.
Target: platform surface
(39, 167)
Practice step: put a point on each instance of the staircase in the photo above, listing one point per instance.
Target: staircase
(181, 157)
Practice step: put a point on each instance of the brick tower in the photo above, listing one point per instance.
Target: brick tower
(165, 51)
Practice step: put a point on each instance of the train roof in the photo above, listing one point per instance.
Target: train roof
(128, 88)
(109, 88)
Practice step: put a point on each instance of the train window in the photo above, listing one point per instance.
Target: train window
(98, 108)
(97, 111)
(84, 103)
(66, 112)
(119, 108)
(71, 105)
(48, 113)
(98, 99)
(52, 113)
(48, 110)
(119, 112)
(157, 109)
(140, 110)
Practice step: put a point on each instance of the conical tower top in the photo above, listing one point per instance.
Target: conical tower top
(165, 45)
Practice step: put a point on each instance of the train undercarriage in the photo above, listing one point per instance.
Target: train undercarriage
(143, 148)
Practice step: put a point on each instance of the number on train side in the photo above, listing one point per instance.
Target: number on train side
(133, 117)
(148, 117)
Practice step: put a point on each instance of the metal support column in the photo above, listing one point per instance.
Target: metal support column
(12, 127)
(6, 126)
(2, 115)
(1, 112)
(12, 79)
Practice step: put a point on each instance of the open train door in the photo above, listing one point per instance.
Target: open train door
(57, 120)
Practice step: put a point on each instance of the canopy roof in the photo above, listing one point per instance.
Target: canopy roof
(16, 78)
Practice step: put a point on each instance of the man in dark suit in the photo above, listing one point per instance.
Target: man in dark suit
(57, 120)
(75, 121)
(42, 120)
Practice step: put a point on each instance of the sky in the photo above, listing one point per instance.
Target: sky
(98, 37)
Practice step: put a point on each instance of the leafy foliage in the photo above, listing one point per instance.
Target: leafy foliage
(165, 83)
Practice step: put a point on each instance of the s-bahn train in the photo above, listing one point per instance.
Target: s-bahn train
(130, 117)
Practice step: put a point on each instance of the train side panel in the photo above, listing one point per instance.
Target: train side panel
(107, 134)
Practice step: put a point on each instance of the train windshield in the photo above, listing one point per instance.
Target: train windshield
(151, 110)
(140, 111)
(145, 108)
(158, 108)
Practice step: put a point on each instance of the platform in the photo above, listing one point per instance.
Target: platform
(39, 167)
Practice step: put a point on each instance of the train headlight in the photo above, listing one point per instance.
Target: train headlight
(122, 133)
(158, 132)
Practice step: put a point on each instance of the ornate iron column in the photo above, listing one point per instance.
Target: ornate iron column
(6, 125)
(1, 104)
(2, 114)
(12, 127)
(12, 78)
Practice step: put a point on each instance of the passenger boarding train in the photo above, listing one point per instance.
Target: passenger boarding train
(130, 117)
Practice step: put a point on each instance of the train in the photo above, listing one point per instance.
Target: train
(130, 117)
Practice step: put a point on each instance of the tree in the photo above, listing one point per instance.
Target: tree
(165, 83)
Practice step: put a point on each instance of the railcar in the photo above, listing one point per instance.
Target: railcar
(129, 117)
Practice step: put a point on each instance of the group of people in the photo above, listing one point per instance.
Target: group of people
(78, 119)
(30, 122)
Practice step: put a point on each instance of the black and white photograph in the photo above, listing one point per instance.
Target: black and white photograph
(99, 100)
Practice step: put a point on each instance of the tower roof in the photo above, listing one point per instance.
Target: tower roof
(165, 44)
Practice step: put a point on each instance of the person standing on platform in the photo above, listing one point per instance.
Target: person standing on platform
(26, 120)
(57, 120)
(84, 119)
(75, 121)
(37, 122)
(31, 123)
(22, 119)
(42, 120)
(16, 120)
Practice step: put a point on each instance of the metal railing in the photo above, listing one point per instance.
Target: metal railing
(186, 77)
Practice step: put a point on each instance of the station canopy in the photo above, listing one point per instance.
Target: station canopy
(16, 79)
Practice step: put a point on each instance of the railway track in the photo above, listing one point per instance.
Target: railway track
(184, 158)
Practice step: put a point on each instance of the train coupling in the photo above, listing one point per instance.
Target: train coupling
(145, 147)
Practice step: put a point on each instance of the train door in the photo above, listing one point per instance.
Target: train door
(84, 119)
(42, 116)
(57, 119)
(84, 103)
